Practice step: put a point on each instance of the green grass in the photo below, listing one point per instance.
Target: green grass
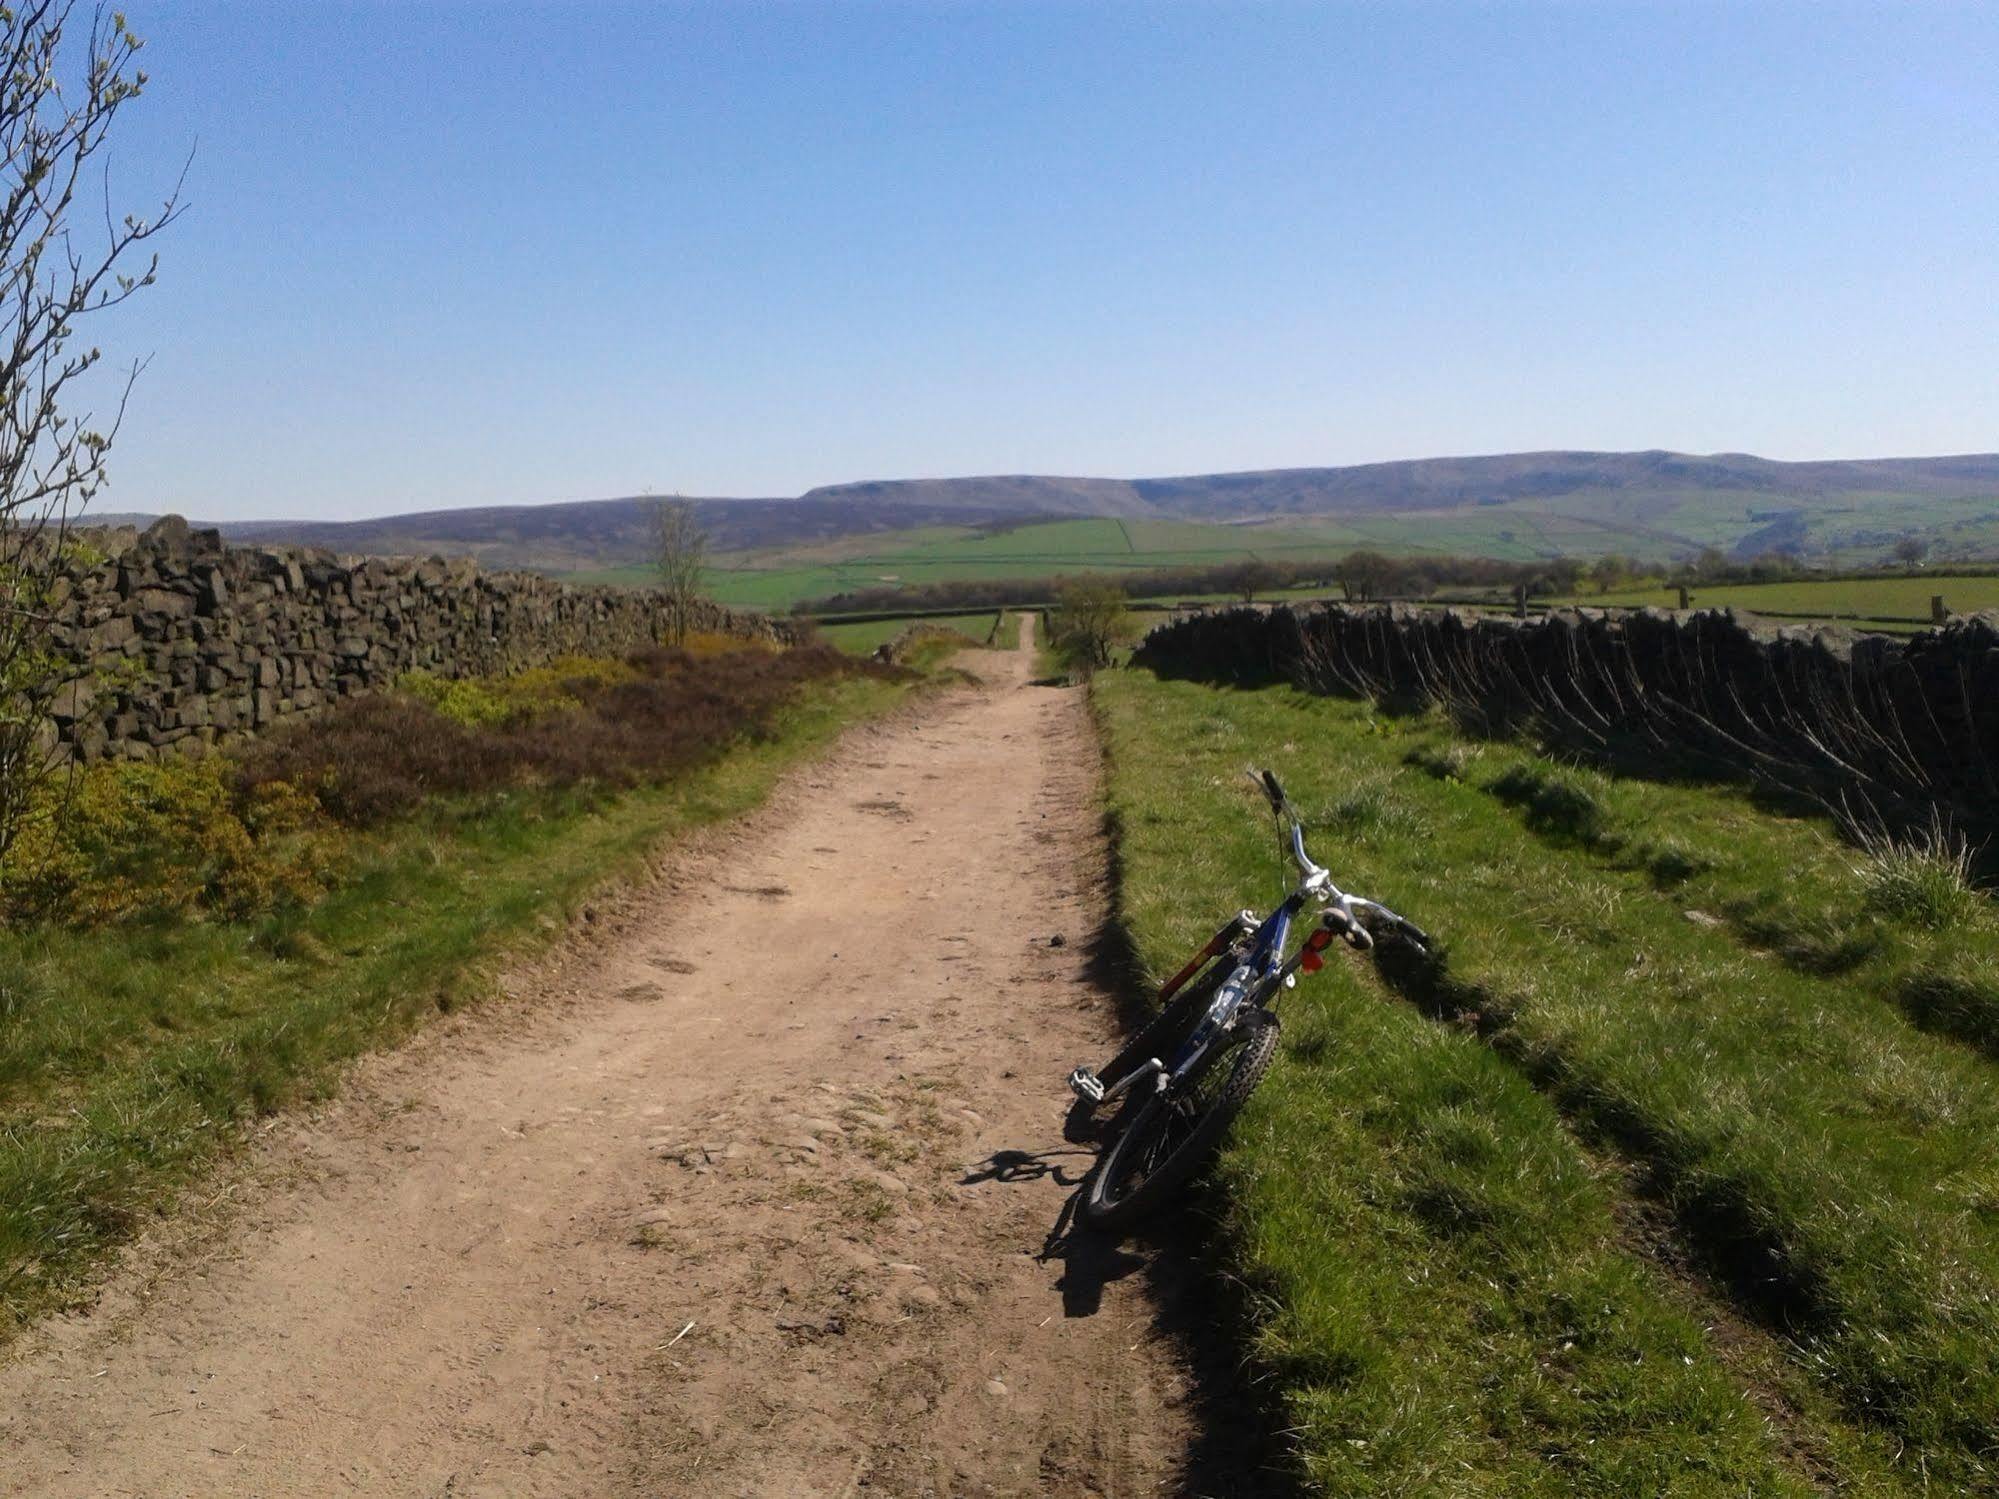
(862, 639)
(775, 580)
(129, 1054)
(1660, 1003)
(1902, 598)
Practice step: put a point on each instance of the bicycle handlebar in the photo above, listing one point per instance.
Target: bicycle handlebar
(1319, 880)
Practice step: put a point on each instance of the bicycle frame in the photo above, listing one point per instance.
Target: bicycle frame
(1261, 968)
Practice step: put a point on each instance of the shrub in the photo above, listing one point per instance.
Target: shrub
(171, 839)
(242, 834)
(375, 758)
(610, 724)
(1091, 621)
(481, 702)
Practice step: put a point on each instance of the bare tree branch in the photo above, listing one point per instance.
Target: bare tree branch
(680, 559)
(55, 130)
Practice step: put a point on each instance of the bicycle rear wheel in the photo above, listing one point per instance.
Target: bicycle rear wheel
(1172, 1135)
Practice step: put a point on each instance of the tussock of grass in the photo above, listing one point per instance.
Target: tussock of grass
(1448, 762)
(1369, 809)
(1796, 1126)
(1670, 862)
(1556, 805)
(1923, 878)
(1958, 996)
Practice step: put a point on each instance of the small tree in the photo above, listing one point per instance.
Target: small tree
(680, 558)
(1251, 578)
(56, 270)
(1363, 576)
(1910, 550)
(1089, 623)
(1608, 572)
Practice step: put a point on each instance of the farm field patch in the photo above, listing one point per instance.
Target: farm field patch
(1899, 598)
(861, 639)
(1694, 1091)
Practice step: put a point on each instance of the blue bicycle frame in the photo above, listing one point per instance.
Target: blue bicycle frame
(1263, 963)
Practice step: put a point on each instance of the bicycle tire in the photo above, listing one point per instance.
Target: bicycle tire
(1108, 1202)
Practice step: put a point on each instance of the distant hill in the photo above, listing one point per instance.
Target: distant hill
(1447, 483)
(1006, 494)
(591, 534)
(1654, 503)
(1438, 484)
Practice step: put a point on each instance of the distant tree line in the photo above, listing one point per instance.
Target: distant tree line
(1361, 576)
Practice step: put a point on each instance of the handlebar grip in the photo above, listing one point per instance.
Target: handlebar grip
(1271, 789)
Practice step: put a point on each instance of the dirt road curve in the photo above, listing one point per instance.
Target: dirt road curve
(727, 1210)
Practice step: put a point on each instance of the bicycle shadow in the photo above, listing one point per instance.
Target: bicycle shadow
(1238, 1447)
(1090, 1260)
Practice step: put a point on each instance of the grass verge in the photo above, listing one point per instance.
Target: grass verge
(1460, 1293)
(130, 1054)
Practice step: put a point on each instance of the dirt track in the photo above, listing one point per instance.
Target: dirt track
(747, 1200)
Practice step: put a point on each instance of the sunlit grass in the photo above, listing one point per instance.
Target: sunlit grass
(1690, 981)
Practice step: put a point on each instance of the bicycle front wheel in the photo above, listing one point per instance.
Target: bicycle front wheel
(1172, 1134)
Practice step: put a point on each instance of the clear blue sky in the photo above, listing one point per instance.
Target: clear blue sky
(446, 254)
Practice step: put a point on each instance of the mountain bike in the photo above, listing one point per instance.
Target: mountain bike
(1187, 1074)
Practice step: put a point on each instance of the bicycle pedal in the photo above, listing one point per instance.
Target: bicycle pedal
(1083, 1083)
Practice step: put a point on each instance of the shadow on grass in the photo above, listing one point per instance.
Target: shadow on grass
(1733, 1241)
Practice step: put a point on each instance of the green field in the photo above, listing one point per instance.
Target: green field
(910, 558)
(1680, 1173)
(1897, 598)
(861, 639)
(1658, 531)
(776, 580)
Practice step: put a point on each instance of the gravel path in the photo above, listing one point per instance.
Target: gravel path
(749, 1200)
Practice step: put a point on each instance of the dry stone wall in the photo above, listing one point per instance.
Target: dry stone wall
(181, 640)
(1868, 723)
